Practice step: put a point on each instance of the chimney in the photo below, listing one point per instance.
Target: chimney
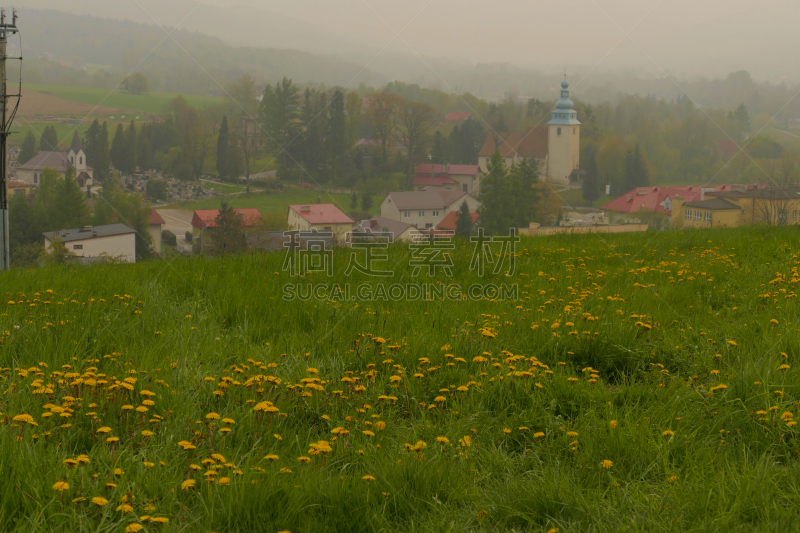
(373, 223)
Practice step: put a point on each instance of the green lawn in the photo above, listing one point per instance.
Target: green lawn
(64, 131)
(574, 197)
(278, 201)
(634, 382)
(148, 103)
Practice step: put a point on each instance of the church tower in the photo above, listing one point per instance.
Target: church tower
(563, 139)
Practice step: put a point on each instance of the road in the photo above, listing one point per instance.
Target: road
(178, 221)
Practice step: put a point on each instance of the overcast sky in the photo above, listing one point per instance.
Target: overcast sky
(684, 37)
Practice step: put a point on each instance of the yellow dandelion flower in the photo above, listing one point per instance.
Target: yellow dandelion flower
(368, 478)
(61, 486)
(605, 463)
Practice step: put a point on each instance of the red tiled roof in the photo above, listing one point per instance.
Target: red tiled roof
(652, 198)
(455, 117)
(206, 218)
(436, 181)
(321, 214)
(449, 221)
(450, 170)
(727, 147)
(155, 218)
(14, 184)
(531, 144)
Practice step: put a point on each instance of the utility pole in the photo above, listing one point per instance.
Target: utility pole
(5, 124)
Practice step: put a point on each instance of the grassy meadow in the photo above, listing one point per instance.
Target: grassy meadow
(153, 102)
(642, 382)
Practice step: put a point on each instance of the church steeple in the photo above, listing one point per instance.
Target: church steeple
(564, 114)
(76, 143)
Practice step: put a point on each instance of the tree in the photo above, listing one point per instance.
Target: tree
(279, 114)
(28, 150)
(90, 140)
(130, 149)
(743, 118)
(24, 225)
(354, 108)
(337, 128)
(227, 234)
(222, 149)
(366, 201)
(635, 170)
(416, 119)
(243, 94)
(136, 83)
(49, 140)
(353, 201)
(144, 153)
(494, 212)
(192, 132)
(591, 178)
(102, 157)
(438, 152)
(57, 253)
(156, 190)
(118, 151)
(70, 209)
(464, 221)
(382, 116)
(235, 158)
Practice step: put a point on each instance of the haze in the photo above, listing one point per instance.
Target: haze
(682, 37)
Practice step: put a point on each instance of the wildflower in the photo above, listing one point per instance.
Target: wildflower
(304, 459)
(271, 457)
(28, 419)
(605, 463)
(61, 486)
(159, 519)
(212, 416)
(380, 425)
(439, 399)
(224, 481)
(147, 433)
(538, 435)
(613, 424)
(134, 528)
(368, 433)
(572, 434)
(125, 508)
(188, 484)
(672, 479)
(506, 431)
(443, 440)
(668, 433)
(104, 429)
(368, 478)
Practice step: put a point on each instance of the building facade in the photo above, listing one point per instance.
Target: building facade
(427, 208)
(93, 243)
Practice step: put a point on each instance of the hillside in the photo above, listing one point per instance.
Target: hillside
(640, 382)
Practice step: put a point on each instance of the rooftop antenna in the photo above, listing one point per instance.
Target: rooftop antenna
(5, 123)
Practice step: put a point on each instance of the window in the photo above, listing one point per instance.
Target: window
(436, 213)
(697, 215)
(464, 188)
(558, 131)
(708, 216)
(389, 201)
(19, 192)
(327, 228)
(72, 160)
(77, 247)
(422, 213)
(80, 160)
(406, 214)
(794, 214)
(35, 178)
(687, 214)
(428, 226)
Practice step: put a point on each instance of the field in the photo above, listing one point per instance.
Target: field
(642, 382)
(147, 103)
(278, 201)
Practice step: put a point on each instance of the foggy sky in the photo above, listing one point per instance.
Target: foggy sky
(682, 37)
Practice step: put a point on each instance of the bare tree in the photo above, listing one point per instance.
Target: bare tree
(772, 205)
(416, 118)
(382, 116)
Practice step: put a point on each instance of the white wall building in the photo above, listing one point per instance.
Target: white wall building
(90, 243)
(426, 208)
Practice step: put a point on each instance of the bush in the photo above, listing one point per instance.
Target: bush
(189, 237)
(169, 238)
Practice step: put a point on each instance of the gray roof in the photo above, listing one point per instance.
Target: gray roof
(88, 232)
(395, 227)
(55, 160)
(715, 204)
(76, 143)
(425, 199)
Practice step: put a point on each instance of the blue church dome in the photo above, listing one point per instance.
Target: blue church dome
(564, 113)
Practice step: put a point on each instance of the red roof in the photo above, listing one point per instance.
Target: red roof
(449, 170)
(436, 180)
(653, 198)
(155, 218)
(449, 221)
(727, 147)
(206, 218)
(456, 117)
(15, 184)
(321, 214)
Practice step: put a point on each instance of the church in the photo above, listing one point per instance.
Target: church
(31, 172)
(556, 147)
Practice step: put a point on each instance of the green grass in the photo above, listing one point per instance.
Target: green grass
(574, 197)
(63, 131)
(279, 201)
(153, 102)
(614, 350)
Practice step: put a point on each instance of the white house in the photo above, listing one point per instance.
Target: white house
(426, 208)
(155, 225)
(320, 217)
(31, 172)
(90, 243)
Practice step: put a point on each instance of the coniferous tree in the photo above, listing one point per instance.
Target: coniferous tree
(278, 112)
(311, 150)
(494, 212)
(25, 227)
(118, 152)
(90, 140)
(228, 233)
(743, 118)
(635, 170)
(438, 155)
(222, 148)
(464, 221)
(522, 197)
(353, 201)
(144, 153)
(337, 127)
(49, 140)
(591, 180)
(235, 158)
(130, 149)
(28, 150)
(70, 209)
(366, 202)
(102, 158)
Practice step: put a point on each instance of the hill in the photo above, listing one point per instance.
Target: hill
(642, 381)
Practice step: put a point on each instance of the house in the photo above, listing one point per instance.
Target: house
(19, 188)
(741, 205)
(320, 217)
(660, 199)
(384, 227)
(31, 172)
(555, 147)
(465, 178)
(155, 225)
(457, 117)
(90, 243)
(426, 208)
(450, 221)
(203, 219)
